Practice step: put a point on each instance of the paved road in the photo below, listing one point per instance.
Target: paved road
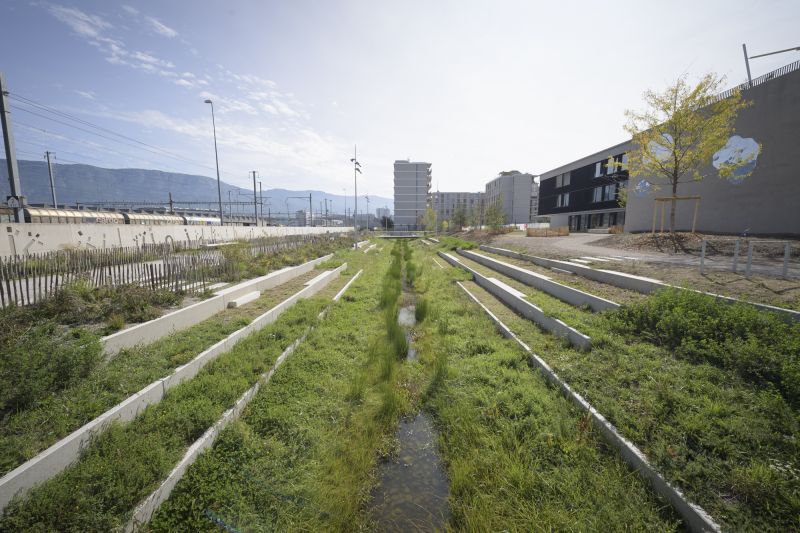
(578, 245)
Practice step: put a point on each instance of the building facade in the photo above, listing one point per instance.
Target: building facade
(451, 205)
(584, 194)
(514, 191)
(412, 185)
(382, 212)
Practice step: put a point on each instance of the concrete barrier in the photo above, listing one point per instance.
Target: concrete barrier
(695, 518)
(246, 299)
(562, 292)
(66, 451)
(515, 300)
(370, 247)
(631, 282)
(180, 319)
(147, 508)
(361, 244)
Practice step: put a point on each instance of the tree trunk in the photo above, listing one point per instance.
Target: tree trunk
(672, 207)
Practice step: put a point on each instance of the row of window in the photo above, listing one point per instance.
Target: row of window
(611, 166)
(604, 193)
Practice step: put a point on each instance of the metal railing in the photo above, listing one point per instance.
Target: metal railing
(769, 76)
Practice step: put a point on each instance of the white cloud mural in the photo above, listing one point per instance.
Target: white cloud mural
(643, 188)
(741, 151)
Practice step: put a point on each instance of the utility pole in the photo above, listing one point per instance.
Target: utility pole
(310, 211)
(366, 197)
(171, 205)
(261, 201)
(15, 200)
(52, 182)
(255, 199)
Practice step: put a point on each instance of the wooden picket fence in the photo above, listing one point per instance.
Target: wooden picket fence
(32, 278)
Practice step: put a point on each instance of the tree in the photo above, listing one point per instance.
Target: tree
(387, 222)
(459, 217)
(430, 219)
(495, 217)
(474, 218)
(679, 133)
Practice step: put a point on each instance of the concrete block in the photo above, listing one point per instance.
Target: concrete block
(564, 293)
(697, 519)
(244, 299)
(347, 286)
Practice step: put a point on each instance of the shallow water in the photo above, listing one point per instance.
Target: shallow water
(411, 494)
(406, 316)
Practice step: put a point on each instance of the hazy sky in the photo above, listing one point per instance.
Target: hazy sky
(475, 87)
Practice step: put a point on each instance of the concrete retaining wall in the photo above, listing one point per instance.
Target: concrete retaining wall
(66, 451)
(631, 282)
(25, 239)
(145, 510)
(514, 300)
(194, 314)
(695, 518)
(562, 292)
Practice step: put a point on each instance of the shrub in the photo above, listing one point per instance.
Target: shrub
(421, 310)
(757, 345)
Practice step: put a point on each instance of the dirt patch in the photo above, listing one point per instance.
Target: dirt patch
(691, 243)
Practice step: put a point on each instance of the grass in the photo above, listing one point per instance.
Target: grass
(708, 422)
(54, 413)
(303, 454)
(128, 461)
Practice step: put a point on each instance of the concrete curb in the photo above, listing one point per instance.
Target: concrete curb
(347, 286)
(562, 292)
(370, 247)
(695, 518)
(360, 244)
(514, 300)
(147, 508)
(631, 282)
(180, 319)
(63, 453)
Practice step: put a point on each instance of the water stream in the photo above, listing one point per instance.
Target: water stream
(412, 491)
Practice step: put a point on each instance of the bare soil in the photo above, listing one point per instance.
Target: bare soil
(691, 243)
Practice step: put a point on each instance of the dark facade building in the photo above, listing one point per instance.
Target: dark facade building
(584, 194)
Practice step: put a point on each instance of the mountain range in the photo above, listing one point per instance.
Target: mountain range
(87, 184)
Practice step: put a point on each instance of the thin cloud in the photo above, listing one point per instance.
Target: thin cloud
(131, 10)
(89, 95)
(161, 28)
(83, 24)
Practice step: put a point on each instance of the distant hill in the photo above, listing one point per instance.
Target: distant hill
(87, 184)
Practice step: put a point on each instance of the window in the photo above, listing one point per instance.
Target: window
(562, 180)
(625, 161)
(604, 193)
(597, 194)
(598, 169)
(562, 200)
(611, 168)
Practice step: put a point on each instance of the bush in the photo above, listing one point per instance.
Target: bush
(421, 310)
(39, 360)
(757, 345)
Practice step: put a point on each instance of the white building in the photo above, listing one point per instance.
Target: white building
(383, 212)
(412, 185)
(516, 192)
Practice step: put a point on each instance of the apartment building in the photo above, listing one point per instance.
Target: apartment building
(412, 185)
(447, 204)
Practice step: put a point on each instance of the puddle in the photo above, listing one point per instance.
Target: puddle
(411, 494)
(406, 316)
(412, 352)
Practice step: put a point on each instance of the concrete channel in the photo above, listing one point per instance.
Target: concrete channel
(515, 300)
(695, 517)
(629, 281)
(65, 452)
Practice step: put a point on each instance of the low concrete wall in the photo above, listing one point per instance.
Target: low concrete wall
(66, 451)
(695, 518)
(562, 292)
(145, 510)
(515, 300)
(34, 238)
(631, 282)
(153, 330)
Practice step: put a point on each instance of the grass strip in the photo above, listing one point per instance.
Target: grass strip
(127, 461)
(26, 433)
(303, 453)
(520, 456)
(729, 444)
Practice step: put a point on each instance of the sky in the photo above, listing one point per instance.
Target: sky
(473, 87)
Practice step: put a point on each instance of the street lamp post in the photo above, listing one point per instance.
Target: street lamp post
(747, 59)
(216, 158)
(356, 172)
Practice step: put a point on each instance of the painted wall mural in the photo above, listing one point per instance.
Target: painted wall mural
(737, 151)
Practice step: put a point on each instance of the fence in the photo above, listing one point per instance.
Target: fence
(749, 245)
(560, 231)
(26, 280)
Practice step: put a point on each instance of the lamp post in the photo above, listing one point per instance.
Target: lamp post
(356, 172)
(216, 158)
(747, 59)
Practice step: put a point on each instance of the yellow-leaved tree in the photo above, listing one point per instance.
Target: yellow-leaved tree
(675, 138)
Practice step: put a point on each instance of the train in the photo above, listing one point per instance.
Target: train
(49, 215)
